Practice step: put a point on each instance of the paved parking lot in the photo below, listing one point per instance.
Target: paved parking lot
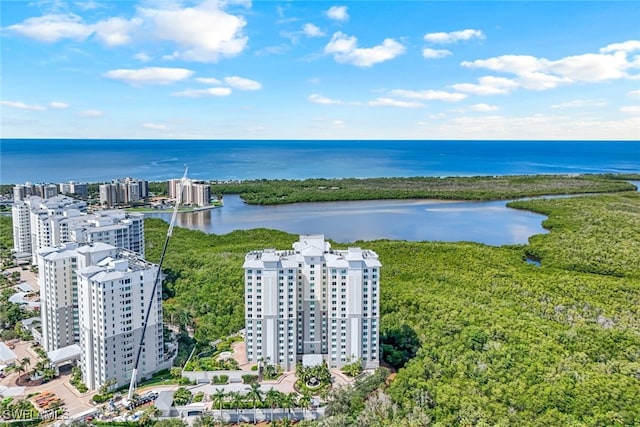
(74, 402)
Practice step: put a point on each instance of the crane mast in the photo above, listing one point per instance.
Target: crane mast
(134, 373)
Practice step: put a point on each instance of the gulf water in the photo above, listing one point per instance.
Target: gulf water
(59, 160)
(414, 220)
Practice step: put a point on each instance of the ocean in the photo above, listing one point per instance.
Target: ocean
(59, 160)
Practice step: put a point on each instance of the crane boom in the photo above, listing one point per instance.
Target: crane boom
(134, 373)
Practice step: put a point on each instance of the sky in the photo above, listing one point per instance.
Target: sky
(239, 69)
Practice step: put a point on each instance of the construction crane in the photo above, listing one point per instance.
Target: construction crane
(134, 373)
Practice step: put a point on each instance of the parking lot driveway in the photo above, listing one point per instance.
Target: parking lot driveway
(74, 402)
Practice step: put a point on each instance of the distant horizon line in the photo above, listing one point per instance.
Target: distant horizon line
(323, 140)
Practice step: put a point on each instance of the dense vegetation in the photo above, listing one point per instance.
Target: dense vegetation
(481, 336)
(500, 341)
(270, 192)
(205, 288)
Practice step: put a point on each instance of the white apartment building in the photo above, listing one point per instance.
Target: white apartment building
(195, 193)
(114, 289)
(39, 223)
(123, 191)
(26, 238)
(58, 296)
(73, 187)
(312, 301)
(21, 222)
(22, 191)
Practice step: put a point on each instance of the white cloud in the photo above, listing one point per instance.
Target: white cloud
(58, 104)
(379, 102)
(149, 75)
(631, 109)
(488, 85)
(541, 81)
(142, 57)
(116, 31)
(208, 80)
(344, 50)
(338, 13)
(88, 5)
(483, 107)
(536, 126)
(541, 73)
(591, 67)
(338, 124)
(199, 93)
(202, 33)
(319, 99)
(205, 32)
(155, 126)
(242, 83)
(429, 95)
(628, 46)
(389, 102)
(53, 27)
(454, 36)
(311, 30)
(579, 103)
(22, 106)
(91, 113)
(634, 94)
(435, 53)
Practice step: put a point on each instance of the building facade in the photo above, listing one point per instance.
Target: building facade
(39, 223)
(312, 301)
(123, 192)
(73, 187)
(26, 214)
(58, 296)
(21, 223)
(195, 193)
(115, 286)
(45, 191)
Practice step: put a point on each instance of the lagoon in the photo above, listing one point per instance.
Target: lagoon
(490, 222)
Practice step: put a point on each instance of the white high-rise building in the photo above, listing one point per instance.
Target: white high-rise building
(73, 187)
(194, 192)
(123, 191)
(312, 302)
(58, 296)
(114, 289)
(21, 221)
(45, 191)
(26, 240)
(39, 223)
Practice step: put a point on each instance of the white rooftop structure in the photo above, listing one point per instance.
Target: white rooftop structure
(65, 354)
(7, 356)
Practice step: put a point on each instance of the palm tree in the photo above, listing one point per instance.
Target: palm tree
(204, 420)
(149, 414)
(20, 369)
(49, 374)
(305, 402)
(273, 398)
(255, 395)
(25, 361)
(218, 397)
(288, 401)
(236, 400)
(40, 367)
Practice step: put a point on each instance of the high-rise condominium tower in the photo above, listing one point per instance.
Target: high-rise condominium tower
(312, 302)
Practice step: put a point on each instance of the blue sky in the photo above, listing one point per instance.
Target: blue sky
(320, 69)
